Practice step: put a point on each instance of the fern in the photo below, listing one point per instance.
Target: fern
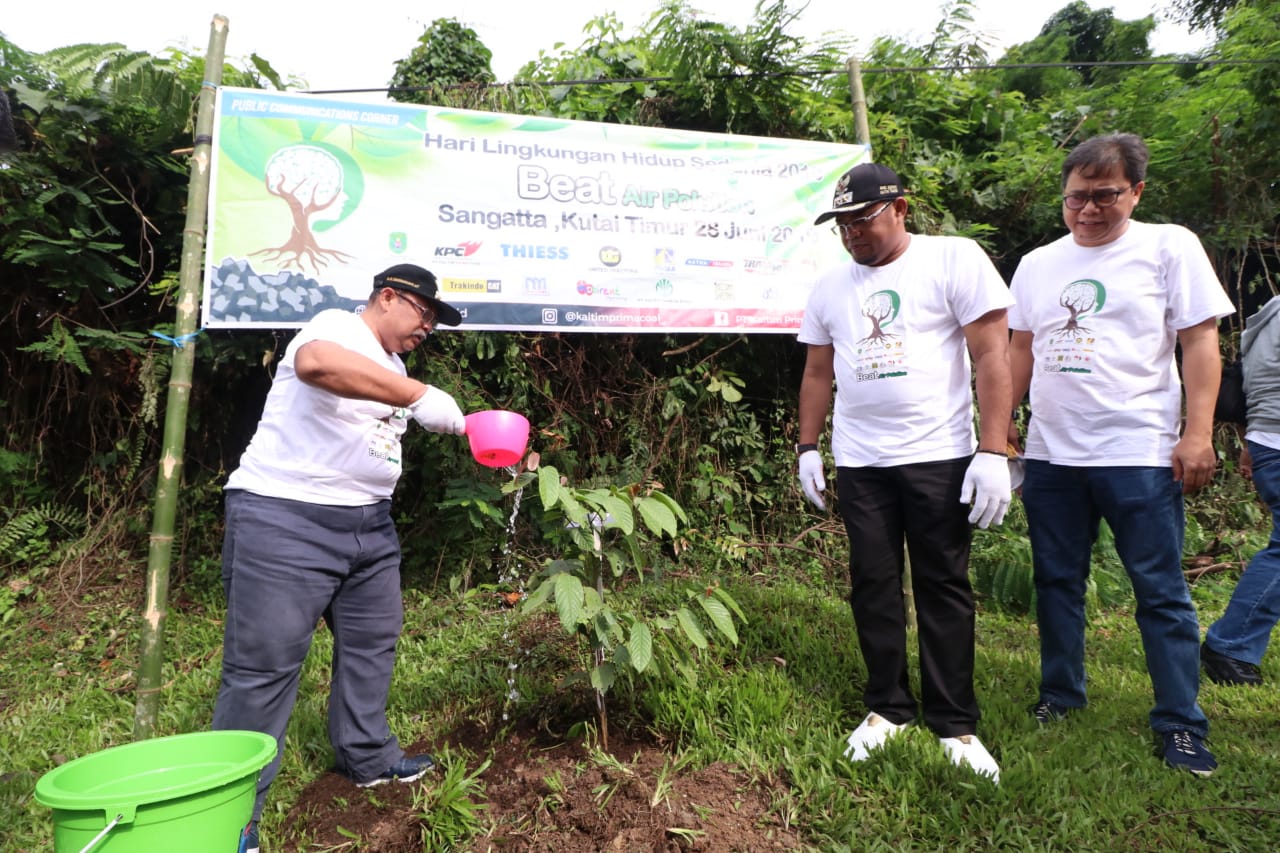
(59, 346)
(34, 524)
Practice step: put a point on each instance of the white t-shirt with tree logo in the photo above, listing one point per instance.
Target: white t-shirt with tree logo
(316, 447)
(1105, 388)
(903, 375)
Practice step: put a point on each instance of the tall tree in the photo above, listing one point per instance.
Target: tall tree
(448, 55)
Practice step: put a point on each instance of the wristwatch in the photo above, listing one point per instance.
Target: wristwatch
(805, 448)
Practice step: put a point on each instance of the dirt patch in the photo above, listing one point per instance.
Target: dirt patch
(548, 794)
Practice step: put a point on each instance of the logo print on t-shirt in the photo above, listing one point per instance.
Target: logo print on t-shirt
(880, 353)
(1071, 346)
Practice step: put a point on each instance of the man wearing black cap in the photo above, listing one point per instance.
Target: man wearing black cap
(897, 331)
(309, 531)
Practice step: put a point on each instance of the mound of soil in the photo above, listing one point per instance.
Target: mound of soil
(549, 794)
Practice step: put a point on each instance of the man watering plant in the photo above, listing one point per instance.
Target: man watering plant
(896, 330)
(309, 532)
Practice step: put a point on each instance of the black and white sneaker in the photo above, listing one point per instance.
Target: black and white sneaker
(1049, 712)
(407, 769)
(1185, 750)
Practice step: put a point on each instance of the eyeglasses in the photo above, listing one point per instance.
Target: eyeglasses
(1100, 198)
(425, 313)
(842, 229)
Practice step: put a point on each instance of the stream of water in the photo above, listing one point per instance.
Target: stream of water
(509, 579)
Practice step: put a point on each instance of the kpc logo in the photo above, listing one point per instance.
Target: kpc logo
(461, 250)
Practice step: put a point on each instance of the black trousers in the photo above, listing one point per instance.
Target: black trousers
(919, 504)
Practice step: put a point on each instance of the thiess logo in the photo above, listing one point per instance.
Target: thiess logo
(461, 250)
(610, 256)
(538, 253)
(471, 285)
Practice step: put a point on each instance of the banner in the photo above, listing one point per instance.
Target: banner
(529, 223)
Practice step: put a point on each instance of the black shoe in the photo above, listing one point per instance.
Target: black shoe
(407, 769)
(1049, 712)
(1224, 670)
(1185, 750)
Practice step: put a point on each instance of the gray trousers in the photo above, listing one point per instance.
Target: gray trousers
(285, 566)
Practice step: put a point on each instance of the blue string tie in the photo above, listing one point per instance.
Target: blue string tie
(179, 341)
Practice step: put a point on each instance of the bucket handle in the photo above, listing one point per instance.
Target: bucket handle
(101, 835)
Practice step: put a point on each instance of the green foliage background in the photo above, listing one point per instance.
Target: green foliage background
(91, 217)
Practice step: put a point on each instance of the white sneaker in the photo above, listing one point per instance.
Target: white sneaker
(869, 735)
(967, 749)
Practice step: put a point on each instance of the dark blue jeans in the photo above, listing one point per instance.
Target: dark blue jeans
(285, 566)
(1143, 507)
(1245, 628)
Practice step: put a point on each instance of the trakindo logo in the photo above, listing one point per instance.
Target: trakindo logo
(462, 250)
(471, 285)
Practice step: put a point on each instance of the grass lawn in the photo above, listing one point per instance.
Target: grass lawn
(779, 705)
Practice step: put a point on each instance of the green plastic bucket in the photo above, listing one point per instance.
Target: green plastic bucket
(192, 793)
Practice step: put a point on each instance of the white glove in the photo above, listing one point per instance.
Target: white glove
(812, 483)
(986, 484)
(437, 412)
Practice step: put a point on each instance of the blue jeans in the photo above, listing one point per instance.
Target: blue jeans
(1245, 628)
(1143, 507)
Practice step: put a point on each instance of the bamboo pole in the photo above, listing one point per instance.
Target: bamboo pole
(175, 417)
(861, 128)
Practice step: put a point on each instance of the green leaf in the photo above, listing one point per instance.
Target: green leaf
(619, 509)
(640, 647)
(657, 516)
(548, 486)
(592, 602)
(729, 602)
(537, 596)
(569, 598)
(719, 615)
(670, 503)
(692, 630)
(573, 510)
(602, 677)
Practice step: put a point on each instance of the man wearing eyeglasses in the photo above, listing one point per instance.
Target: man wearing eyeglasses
(1098, 315)
(901, 331)
(309, 530)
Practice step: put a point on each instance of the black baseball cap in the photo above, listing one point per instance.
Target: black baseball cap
(411, 278)
(861, 186)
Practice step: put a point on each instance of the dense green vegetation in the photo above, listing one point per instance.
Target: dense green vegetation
(91, 217)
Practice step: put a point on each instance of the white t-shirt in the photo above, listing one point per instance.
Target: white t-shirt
(1105, 388)
(317, 447)
(902, 368)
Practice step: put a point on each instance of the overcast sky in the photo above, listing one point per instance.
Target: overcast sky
(358, 47)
